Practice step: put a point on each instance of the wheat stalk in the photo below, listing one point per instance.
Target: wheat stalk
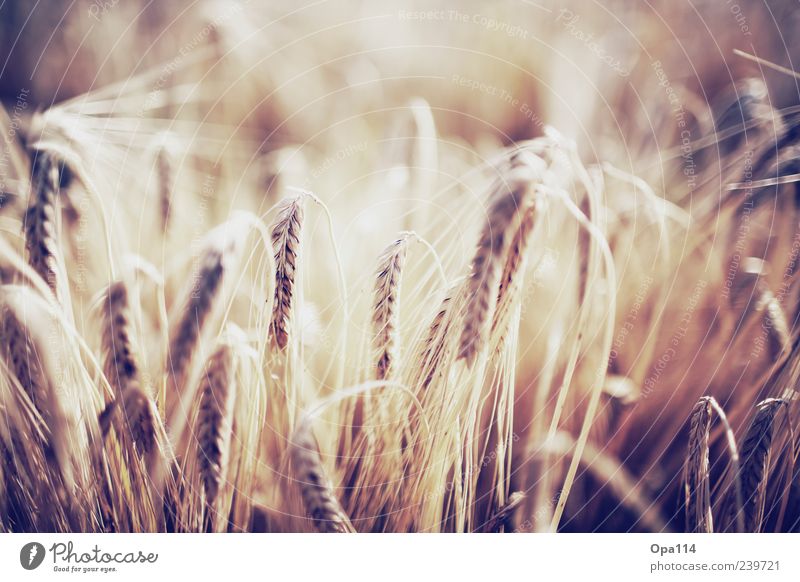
(215, 420)
(40, 219)
(505, 212)
(434, 345)
(20, 352)
(120, 366)
(186, 337)
(319, 500)
(286, 246)
(511, 270)
(755, 460)
(122, 370)
(697, 487)
(30, 326)
(384, 313)
(141, 417)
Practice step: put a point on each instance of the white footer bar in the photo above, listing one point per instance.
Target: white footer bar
(410, 558)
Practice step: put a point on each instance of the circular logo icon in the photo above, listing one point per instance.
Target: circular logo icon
(31, 555)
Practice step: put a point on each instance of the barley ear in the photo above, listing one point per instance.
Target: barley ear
(384, 314)
(40, 221)
(755, 455)
(286, 245)
(215, 421)
(697, 487)
(319, 500)
(120, 365)
(505, 212)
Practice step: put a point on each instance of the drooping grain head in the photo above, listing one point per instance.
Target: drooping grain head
(215, 420)
(384, 313)
(186, 337)
(755, 449)
(512, 269)
(434, 346)
(696, 477)
(506, 210)
(286, 232)
(319, 500)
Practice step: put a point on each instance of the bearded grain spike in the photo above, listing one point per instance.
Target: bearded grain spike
(140, 415)
(286, 245)
(384, 314)
(319, 500)
(511, 269)
(40, 219)
(504, 215)
(31, 347)
(20, 353)
(697, 487)
(122, 370)
(120, 364)
(519, 245)
(186, 338)
(755, 460)
(434, 348)
(215, 421)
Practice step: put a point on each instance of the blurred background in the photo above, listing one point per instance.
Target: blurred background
(495, 70)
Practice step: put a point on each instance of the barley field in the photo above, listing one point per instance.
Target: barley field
(349, 266)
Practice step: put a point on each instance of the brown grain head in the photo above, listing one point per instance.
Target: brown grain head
(286, 231)
(696, 477)
(215, 420)
(754, 454)
(319, 500)
(120, 366)
(384, 313)
(506, 210)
